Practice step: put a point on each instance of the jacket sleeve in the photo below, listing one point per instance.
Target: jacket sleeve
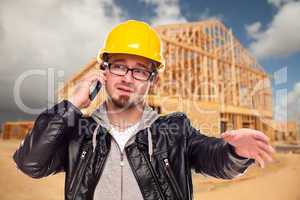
(213, 156)
(44, 148)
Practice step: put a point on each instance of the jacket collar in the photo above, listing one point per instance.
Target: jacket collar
(148, 117)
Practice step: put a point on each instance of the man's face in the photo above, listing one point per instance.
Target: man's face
(126, 91)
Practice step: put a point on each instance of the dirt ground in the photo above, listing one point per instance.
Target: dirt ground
(279, 180)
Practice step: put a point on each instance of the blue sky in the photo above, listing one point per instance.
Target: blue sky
(64, 35)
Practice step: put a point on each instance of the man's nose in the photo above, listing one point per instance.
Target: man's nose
(128, 77)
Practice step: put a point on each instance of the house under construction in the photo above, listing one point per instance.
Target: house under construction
(210, 76)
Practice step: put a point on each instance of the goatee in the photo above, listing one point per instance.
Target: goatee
(122, 102)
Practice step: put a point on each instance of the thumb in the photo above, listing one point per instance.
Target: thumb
(226, 134)
(228, 137)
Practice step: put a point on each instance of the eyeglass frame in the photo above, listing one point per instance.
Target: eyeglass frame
(107, 65)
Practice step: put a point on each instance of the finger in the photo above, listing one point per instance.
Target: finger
(101, 75)
(266, 147)
(227, 138)
(261, 162)
(260, 136)
(272, 149)
(99, 71)
(102, 78)
(88, 77)
(265, 155)
(93, 73)
(227, 134)
(92, 78)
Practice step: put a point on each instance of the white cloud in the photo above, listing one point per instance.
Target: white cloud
(281, 37)
(63, 35)
(206, 14)
(279, 3)
(167, 11)
(253, 29)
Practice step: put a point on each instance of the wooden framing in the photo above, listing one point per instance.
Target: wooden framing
(210, 76)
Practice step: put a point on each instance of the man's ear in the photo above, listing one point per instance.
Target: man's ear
(154, 81)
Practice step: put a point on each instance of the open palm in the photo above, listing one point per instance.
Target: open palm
(250, 143)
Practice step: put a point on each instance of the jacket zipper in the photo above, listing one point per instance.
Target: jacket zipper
(172, 179)
(81, 170)
(83, 153)
(122, 165)
(153, 175)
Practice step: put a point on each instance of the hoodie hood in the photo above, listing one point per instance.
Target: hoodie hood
(148, 117)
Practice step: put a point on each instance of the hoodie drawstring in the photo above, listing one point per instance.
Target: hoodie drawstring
(150, 145)
(95, 137)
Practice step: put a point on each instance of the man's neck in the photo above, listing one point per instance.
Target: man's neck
(124, 117)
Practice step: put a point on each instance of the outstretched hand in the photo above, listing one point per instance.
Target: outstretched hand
(250, 143)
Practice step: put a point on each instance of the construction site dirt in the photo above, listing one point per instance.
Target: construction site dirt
(278, 180)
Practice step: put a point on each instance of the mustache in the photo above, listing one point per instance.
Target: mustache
(125, 86)
(128, 85)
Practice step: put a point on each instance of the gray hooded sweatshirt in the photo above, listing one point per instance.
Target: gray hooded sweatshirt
(117, 180)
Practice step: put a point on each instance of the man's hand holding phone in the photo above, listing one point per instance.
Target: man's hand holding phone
(82, 95)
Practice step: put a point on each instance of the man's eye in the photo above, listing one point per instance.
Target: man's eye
(141, 71)
(138, 70)
(118, 66)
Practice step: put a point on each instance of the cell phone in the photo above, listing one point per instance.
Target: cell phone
(94, 90)
(97, 86)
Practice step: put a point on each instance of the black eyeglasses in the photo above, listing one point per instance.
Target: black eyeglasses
(122, 69)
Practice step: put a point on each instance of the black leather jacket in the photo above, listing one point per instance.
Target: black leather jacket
(57, 143)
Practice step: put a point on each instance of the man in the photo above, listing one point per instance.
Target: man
(125, 150)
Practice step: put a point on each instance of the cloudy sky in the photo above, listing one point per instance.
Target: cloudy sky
(53, 38)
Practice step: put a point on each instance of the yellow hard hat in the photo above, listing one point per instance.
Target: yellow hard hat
(136, 38)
